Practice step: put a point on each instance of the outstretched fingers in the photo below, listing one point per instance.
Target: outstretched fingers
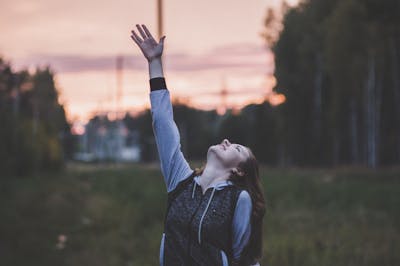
(147, 32)
(136, 38)
(144, 36)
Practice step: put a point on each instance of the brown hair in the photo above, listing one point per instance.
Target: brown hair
(251, 182)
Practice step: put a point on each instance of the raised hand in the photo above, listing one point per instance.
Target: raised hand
(150, 48)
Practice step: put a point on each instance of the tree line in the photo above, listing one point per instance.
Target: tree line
(337, 63)
(255, 125)
(34, 131)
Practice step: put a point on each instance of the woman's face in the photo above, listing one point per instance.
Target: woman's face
(229, 154)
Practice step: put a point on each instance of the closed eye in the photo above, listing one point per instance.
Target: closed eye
(238, 148)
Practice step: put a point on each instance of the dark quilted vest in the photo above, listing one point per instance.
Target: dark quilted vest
(181, 244)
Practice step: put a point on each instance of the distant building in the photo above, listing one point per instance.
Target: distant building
(105, 140)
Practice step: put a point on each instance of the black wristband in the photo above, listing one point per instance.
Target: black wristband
(157, 84)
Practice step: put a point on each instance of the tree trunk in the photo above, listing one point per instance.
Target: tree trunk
(378, 104)
(354, 156)
(317, 106)
(396, 92)
(370, 113)
(335, 147)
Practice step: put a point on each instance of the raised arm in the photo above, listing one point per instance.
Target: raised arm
(151, 50)
(173, 164)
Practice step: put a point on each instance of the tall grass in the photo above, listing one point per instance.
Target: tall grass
(113, 215)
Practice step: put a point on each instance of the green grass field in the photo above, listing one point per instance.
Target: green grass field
(113, 215)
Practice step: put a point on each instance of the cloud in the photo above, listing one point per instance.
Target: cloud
(234, 56)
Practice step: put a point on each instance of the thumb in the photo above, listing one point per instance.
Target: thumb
(162, 39)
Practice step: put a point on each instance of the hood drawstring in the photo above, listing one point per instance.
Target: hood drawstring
(194, 188)
(204, 213)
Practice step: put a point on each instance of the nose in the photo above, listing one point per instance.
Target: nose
(226, 142)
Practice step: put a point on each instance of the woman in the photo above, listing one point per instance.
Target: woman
(214, 215)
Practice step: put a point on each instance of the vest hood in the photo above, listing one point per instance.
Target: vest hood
(217, 186)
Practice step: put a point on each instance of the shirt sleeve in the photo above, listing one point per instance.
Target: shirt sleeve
(174, 166)
(241, 223)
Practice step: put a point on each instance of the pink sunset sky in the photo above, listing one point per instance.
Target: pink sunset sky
(209, 45)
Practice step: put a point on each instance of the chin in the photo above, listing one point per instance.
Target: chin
(213, 151)
(216, 147)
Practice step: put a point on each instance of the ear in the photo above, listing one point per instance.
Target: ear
(237, 171)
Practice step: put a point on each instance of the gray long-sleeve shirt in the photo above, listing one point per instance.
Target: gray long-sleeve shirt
(175, 168)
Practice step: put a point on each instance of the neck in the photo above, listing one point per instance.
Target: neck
(211, 175)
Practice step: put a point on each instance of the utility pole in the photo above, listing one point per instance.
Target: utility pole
(118, 96)
(117, 141)
(223, 96)
(160, 18)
